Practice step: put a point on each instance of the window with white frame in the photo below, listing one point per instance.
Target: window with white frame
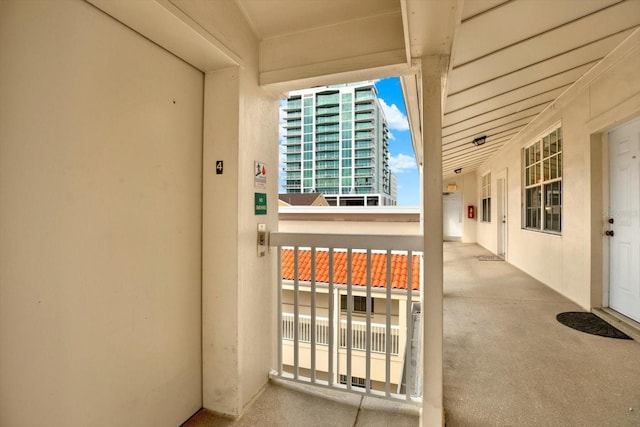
(486, 198)
(542, 208)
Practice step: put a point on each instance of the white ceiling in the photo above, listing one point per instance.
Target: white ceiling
(508, 59)
(512, 59)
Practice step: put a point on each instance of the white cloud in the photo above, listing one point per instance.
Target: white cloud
(395, 118)
(402, 163)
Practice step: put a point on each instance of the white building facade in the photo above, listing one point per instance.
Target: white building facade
(337, 143)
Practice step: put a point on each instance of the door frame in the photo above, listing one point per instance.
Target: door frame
(459, 197)
(502, 213)
(606, 205)
(599, 128)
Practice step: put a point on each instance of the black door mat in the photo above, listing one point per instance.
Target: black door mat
(591, 324)
(490, 258)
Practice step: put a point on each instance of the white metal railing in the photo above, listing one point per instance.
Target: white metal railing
(358, 333)
(340, 336)
(377, 337)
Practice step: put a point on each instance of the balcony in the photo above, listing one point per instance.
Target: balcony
(367, 106)
(327, 99)
(364, 125)
(331, 137)
(327, 165)
(328, 119)
(363, 116)
(327, 111)
(328, 174)
(359, 335)
(349, 312)
(364, 135)
(292, 140)
(327, 128)
(364, 154)
(293, 131)
(327, 146)
(328, 155)
(364, 144)
(364, 173)
(365, 95)
(500, 367)
(293, 105)
(292, 123)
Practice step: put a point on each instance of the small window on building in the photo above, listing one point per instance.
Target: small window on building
(486, 198)
(359, 304)
(355, 381)
(542, 176)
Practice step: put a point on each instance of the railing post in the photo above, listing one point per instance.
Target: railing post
(313, 314)
(296, 313)
(279, 298)
(368, 339)
(409, 328)
(387, 340)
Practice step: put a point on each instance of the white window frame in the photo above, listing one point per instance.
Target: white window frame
(485, 215)
(542, 183)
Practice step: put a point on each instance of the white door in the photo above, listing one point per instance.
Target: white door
(624, 247)
(452, 216)
(501, 182)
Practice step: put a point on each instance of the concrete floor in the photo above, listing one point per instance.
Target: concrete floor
(507, 362)
(283, 404)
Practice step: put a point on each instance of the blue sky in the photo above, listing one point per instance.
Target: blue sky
(402, 159)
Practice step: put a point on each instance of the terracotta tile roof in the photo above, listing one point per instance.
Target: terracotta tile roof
(359, 268)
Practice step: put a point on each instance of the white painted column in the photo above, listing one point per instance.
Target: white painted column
(221, 327)
(433, 69)
(238, 286)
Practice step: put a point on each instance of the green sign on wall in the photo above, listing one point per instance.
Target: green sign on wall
(261, 203)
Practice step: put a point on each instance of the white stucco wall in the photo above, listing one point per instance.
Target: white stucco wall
(240, 127)
(570, 263)
(100, 219)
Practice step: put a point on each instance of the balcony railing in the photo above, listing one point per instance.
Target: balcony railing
(358, 333)
(323, 339)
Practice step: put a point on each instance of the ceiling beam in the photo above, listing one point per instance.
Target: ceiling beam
(318, 55)
(431, 27)
(166, 25)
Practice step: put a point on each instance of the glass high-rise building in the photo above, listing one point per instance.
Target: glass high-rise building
(337, 143)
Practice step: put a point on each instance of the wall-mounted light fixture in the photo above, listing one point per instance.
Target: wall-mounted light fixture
(480, 140)
(458, 170)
